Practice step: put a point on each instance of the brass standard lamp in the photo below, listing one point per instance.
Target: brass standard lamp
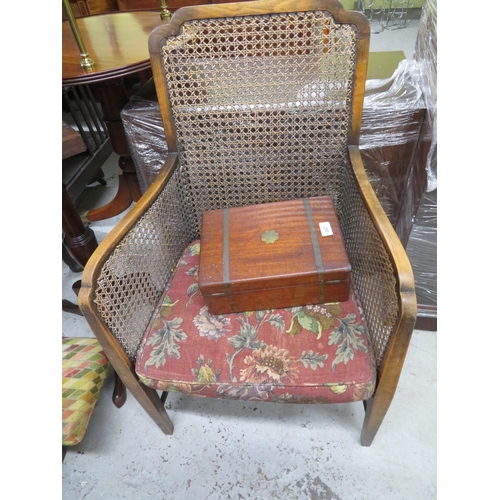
(86, 62)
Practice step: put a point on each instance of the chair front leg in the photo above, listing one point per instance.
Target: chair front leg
(150, 400)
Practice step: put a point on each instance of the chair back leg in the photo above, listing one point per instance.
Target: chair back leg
(119, 392)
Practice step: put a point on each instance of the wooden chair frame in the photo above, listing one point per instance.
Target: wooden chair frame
(390, 366)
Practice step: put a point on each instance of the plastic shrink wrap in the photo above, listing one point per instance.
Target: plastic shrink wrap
(422, 243)
(145, 134)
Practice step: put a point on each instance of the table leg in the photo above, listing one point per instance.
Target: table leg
(79, 240)
(113, 97)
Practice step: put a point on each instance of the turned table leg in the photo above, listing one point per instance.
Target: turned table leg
(113, 97)
(80, 241)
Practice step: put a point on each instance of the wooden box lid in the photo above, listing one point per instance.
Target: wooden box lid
(271, 245)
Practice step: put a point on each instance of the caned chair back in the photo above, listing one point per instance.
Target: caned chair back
(261, 105)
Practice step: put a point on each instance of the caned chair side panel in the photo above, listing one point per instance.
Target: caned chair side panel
(380, 267)
(124, 280)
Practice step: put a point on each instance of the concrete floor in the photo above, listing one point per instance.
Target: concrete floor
(237, 450)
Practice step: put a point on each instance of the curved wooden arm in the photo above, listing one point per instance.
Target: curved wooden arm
(124, 367)
(395, 353)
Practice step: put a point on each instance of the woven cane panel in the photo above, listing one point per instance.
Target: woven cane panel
(136, 273)
(261, 107)
(372, 269)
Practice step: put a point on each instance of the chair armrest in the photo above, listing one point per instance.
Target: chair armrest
(390, 320)
(125, 277)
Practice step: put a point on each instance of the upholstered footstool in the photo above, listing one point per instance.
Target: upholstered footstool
(84, 369)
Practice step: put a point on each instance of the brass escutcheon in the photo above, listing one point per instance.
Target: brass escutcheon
(269, 236)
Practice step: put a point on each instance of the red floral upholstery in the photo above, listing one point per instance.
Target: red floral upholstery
(309, 354)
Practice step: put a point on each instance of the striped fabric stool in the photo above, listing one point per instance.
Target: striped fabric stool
(84, 369)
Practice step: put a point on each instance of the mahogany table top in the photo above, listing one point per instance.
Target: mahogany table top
(117, 42)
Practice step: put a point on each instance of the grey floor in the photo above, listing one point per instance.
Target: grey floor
(238, 450)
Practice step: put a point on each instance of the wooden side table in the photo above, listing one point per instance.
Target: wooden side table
(118, 44)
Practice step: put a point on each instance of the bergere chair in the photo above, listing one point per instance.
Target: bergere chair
(261, 102)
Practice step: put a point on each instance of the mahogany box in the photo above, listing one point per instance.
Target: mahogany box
(273, 255)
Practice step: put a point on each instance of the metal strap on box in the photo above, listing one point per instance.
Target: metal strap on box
(225, 261)
(317, 252)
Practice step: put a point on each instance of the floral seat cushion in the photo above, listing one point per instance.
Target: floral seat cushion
(84, 369)
(309, 354)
